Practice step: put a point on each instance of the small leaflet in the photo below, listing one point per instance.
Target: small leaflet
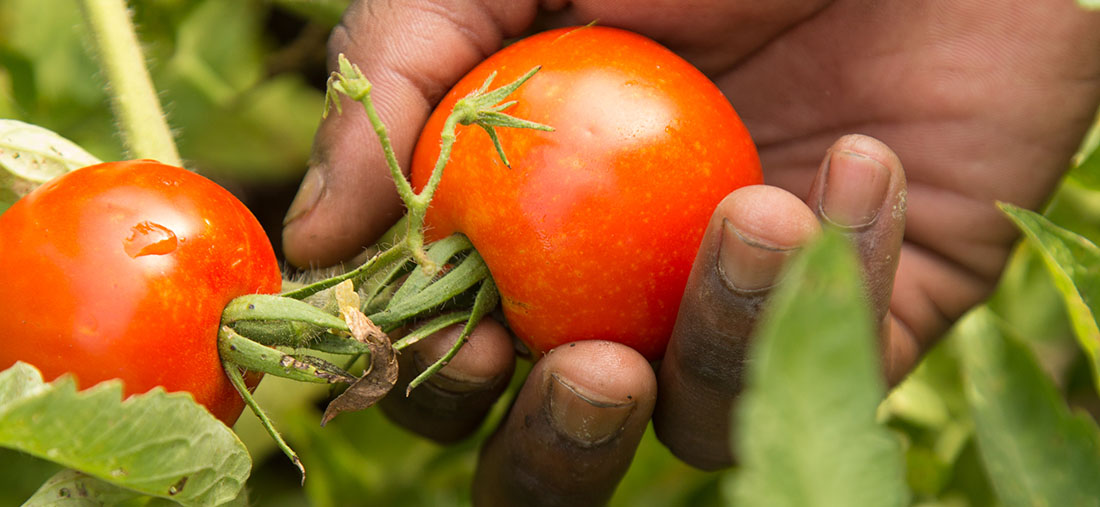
(31, 155)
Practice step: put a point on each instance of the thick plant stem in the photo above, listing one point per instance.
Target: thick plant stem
(145, 131)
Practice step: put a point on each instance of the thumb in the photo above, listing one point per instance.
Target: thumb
(412, 52)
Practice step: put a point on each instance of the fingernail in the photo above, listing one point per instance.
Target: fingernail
(855, 188)
(313, 185)
(451, 380)
(583, 417)
(747, 263)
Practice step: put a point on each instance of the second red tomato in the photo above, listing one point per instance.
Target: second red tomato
(591, 233)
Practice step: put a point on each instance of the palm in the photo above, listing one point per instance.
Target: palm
(976, 112)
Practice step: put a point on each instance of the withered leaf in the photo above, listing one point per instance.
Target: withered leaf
(381, 375)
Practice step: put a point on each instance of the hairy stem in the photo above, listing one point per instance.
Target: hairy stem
(145, 131)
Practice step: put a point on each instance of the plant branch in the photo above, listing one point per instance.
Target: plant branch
(482, 108)
(145, 131)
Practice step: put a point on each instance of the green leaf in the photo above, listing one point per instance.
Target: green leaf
(70, 488)
(235, 121)
(1035, 451)
(1074, 265)
(263, 135)
(50, 34)
(1089, 4)
(159, 444)
(1088, 170)
(928, 410)
(201, 55)
(31, 155)
(805, 431)
(76, 489)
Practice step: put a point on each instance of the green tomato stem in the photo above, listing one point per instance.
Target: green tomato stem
(440, 252)
(145, 131)
(446, 144)
(380, 131)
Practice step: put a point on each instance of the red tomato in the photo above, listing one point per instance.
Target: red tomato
(592, 231)
(121, 270)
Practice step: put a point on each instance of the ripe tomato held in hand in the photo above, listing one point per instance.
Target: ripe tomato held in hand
(121, 270)
(591, 233)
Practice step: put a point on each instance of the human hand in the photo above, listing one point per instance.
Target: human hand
(981, 102)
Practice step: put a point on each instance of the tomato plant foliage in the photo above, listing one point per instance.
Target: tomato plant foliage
(121, 270)
(591, 231)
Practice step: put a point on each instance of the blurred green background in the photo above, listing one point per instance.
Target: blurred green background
(242, 82)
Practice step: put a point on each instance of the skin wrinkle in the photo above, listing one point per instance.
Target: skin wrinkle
(995, 232)
(918, 295)
(429, 87)
(472, 38)
(554, 5)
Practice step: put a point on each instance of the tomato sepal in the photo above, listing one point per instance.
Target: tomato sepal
(279, 321)
(252, 356)
(388, 258)
(237, 379)
(421, 292)
(430, 327)
(485, 110)
(487, 299)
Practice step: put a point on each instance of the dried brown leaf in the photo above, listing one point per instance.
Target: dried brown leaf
(381, 374)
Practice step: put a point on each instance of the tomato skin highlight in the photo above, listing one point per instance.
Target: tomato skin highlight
(591, 233)
(121, 270)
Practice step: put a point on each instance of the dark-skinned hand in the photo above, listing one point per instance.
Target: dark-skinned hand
(981, 100)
